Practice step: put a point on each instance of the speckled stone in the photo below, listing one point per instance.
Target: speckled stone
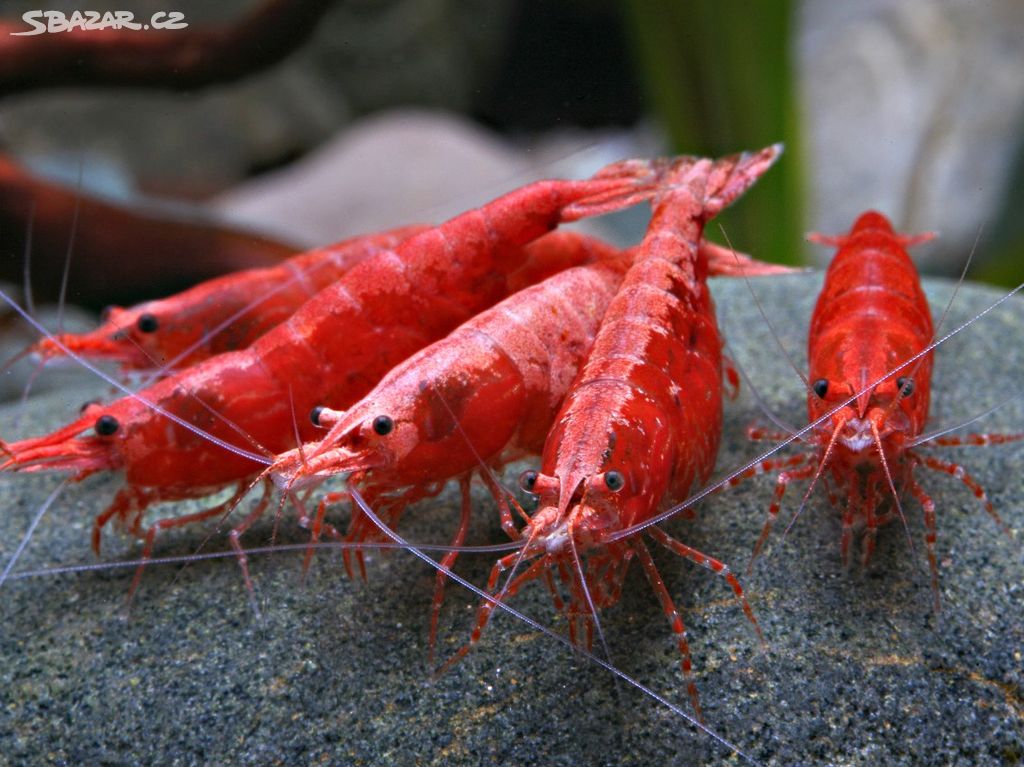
(858, 670)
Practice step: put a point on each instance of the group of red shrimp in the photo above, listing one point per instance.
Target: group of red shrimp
(402, 360)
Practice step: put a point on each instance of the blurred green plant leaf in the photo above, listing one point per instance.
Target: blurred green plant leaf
(719, 75)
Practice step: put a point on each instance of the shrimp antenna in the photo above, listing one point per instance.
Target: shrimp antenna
(145, 353)
(302, 458)
(942, 317)
(593, 619)
(30, 306)
(961, 280)
(942, 432)
(231, 425)
(484, 468)
(281, 548)
(496, 486)
(27, 260)
(240, 554)
(492, 481)
(892, 485)
(759, 399)
(358, 498)
(588, 157)
(15, 359)
(32, 528)
(814, 480)
(287, 493)
(32, 378)
(500, 596)
(764, 315)
(71, 244)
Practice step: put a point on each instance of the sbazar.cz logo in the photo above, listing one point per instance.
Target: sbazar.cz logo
(49, 22)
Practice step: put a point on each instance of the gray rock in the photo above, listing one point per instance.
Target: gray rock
(407, 165)
(858, 670)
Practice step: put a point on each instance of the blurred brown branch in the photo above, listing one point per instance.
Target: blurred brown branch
(119, 255)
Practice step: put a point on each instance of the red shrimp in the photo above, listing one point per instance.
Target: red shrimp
(219, 315)
(484, 395)
(332, 351)
(642, 420)
(870, 319)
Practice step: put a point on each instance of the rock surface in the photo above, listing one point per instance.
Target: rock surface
(408, 165)
(858, 670)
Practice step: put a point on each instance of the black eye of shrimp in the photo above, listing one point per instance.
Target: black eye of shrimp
(528, 480)
(314, 414)
(106, 425)
(614, 481)
(147, 323)
(383, 425)
(820, 387)
(906, 385)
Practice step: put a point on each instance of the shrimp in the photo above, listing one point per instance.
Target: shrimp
(642, 420)
(484, 395)
(872, 317)
(332, 351)
(220, 315)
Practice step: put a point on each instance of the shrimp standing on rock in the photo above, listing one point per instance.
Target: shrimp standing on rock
(484, 395)
(643, 418)
(871, 320)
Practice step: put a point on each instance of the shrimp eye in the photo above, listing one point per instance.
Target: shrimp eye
(905, 385)
(614, 481)
(314, 414)
(383, 425)
(820, 387)
(106, 425)
(528, 480)
(147, 323)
